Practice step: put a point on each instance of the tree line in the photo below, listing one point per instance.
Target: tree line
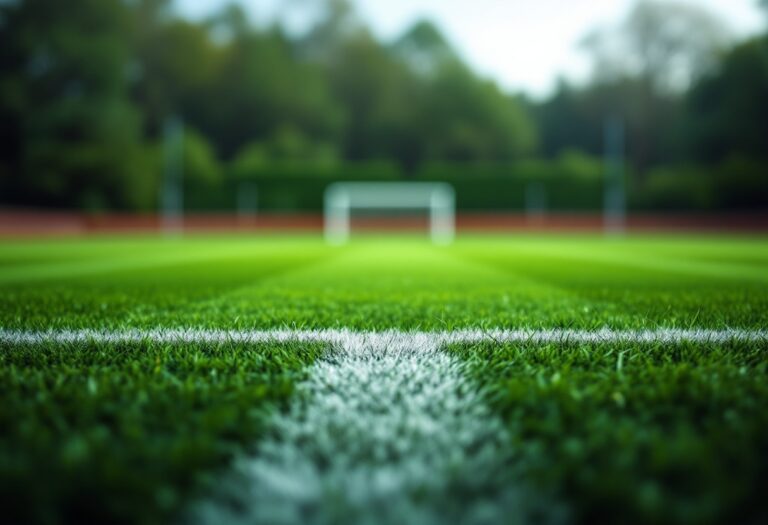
(88, 87)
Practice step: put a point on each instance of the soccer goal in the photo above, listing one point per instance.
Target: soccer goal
(342, 198)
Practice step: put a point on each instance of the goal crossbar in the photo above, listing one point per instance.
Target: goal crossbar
(343, 197)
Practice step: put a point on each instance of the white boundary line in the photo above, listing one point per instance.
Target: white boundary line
(387, 429)
(416, 339)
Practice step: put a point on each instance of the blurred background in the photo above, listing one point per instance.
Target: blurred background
(251, 109)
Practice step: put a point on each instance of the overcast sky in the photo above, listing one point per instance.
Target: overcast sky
(522, 44)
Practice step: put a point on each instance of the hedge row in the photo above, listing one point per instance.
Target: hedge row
(553, 186)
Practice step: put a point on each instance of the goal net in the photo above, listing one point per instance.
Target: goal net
(343, 198)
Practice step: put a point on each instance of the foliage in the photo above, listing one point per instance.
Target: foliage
(737, 183)
(466, 120)
(725, 108)
(73, 135)
(675, 188)
(667, 43)
(686, 96)
(287, 151)
(201, 167)
(86, 89)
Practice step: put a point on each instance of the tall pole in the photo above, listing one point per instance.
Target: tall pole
(535, 203)
(247, 199)
(172, 192)
(614, 214)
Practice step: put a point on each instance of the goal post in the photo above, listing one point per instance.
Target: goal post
(341, 198)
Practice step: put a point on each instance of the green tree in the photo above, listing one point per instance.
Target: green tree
(642, 69)
(728, 109)
(377, 93)
(667, 43)
(574, 117)
(201, 167)
(177, 67)
(464, 118)
(65, 77)
(261, 87)
(414, 101)
(425, 49)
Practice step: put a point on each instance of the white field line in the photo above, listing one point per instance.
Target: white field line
(385, 430)
(347, 338)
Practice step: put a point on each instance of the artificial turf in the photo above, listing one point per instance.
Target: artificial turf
(123, 433)
(128, 432)
(636, 433)
(373, 284)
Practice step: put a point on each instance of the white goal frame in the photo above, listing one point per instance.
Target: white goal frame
(342, 197)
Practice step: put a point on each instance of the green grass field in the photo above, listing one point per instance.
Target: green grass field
(627, 432)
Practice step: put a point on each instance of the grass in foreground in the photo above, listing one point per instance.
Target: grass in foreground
(636, 433)
(107, 432)
(125, 433)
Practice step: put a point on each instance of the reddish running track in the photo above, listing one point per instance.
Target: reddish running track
(46, 223)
